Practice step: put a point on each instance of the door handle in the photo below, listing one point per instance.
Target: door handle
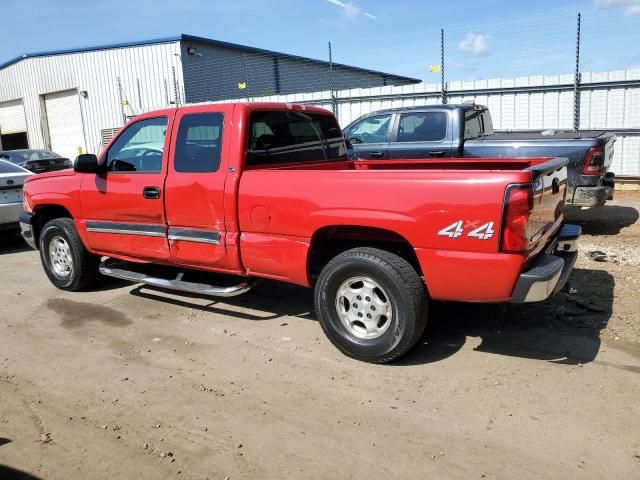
(152, 193)
(376, 154)
(437, 153)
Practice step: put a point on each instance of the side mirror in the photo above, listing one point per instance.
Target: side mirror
(87, 163)
(355, 141)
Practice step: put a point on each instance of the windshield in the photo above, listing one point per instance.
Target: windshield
(28, 155)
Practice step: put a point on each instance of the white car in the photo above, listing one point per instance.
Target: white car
(11, 180)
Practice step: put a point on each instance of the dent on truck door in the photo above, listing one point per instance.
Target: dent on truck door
(195, 188)
(122, 208)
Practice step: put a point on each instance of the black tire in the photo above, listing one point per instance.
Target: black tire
(84, 266)
(397, 279)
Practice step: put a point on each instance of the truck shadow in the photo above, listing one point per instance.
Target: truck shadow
(12, 244)
(606, 220)
(564, 330)
(8, 473)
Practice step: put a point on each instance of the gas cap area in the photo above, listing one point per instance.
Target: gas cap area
(260, 217)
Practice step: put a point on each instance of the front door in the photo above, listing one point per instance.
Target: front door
(123, 208)
(194, 187)
(370, 137)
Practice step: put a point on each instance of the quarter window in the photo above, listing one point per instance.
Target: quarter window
(139, 148)
(199, 143)
(422, 127)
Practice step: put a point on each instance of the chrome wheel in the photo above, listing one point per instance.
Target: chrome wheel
(60, 257)
(364, 307)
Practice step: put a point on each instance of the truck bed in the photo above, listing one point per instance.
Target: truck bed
(537, 135)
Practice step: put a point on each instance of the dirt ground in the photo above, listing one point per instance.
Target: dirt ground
(130, 383)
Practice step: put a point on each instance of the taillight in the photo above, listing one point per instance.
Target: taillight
(594, 163)
(517, 210)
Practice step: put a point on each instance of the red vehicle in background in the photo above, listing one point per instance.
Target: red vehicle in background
(267, 191)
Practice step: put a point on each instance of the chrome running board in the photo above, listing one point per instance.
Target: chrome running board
(110, 269)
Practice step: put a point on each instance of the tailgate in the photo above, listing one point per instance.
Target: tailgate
(549, 189)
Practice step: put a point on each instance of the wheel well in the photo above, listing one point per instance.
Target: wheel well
(331, 241)
(44, 214)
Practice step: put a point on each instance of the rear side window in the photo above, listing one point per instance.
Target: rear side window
(472, 124)
(293, 137)
(422, 127)
(6, 167)
(199, 143)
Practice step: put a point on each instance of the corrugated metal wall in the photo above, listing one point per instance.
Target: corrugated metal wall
(142, 70)
(608, 101)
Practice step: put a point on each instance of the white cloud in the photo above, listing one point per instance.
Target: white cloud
(476, 44)
(630, 7)
(351, 10)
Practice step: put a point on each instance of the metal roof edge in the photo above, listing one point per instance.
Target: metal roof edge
(46, 53)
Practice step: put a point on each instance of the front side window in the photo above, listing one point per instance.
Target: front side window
(293, 137)
(422, 127)
(199, 143)
(139, 148)
(370, 130)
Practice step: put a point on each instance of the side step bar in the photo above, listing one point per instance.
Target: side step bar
(110, 269)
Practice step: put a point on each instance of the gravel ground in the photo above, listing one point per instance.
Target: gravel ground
(128, 382)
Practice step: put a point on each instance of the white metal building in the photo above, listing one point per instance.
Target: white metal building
(74, 100)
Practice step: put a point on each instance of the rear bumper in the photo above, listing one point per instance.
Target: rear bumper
(26, 228)
(592, 196)
(549, 272)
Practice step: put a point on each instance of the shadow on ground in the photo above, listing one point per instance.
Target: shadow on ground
(8, 473)
(606, 220)
(12, 244)
(565, 329)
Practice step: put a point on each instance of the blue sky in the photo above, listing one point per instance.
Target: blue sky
(484, 38)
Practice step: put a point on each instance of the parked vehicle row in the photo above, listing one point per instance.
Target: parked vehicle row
(267, 191)
(440, 131)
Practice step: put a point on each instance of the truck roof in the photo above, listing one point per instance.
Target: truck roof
(420, 108)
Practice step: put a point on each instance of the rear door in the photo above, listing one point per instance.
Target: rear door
(123, 209)
(370, 136)
(195, 184)
(422, 135)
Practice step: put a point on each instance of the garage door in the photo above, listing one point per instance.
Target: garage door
(12, 117)
(65, 123)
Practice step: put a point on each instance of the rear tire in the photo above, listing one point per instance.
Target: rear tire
(65, 259)
(371, 304)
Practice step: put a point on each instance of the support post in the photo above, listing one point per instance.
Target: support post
(121, 101)
(576, 81)
(443, 85)
(176, 90)
(331, 81)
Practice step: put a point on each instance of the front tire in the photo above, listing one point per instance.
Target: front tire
(65, 259)
(371, 304)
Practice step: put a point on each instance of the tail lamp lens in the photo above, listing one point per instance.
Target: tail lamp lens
(594, 163)
(518, 208)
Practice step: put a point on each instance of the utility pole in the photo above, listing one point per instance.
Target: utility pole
(576, 81)
(444, 89)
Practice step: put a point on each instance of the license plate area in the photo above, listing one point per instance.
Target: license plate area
(11, 196)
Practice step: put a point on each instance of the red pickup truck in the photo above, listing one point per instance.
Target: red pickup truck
(267, 191)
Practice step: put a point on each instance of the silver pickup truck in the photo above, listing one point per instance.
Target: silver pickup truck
(467, 131)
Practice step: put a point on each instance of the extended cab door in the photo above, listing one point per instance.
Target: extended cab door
(370, 136)
(123, 208)
(422, 135)
(195, 186)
